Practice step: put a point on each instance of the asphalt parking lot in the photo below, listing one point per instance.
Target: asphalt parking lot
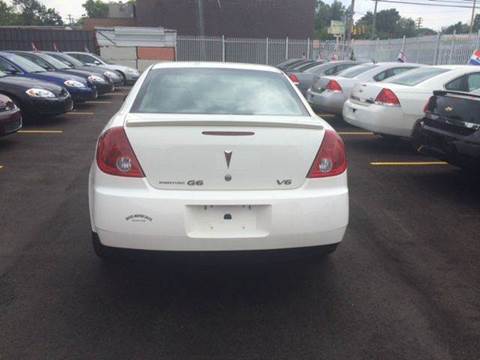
(405, 284)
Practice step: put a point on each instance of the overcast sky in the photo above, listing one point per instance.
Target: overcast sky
(432, 16)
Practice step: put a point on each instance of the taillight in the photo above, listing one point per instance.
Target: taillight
(387, 97)
(294, 79)
(427, 105)
(331, 159)
(115, 155)
(334, 86)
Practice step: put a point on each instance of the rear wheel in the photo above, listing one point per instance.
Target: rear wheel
(102, 251)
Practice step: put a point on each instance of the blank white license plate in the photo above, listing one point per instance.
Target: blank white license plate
(237, 221)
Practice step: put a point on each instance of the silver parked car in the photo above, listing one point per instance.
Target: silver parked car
(130, 75)
(305, 79)
(329, 93)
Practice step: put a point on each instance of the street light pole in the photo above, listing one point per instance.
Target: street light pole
(374, 26)
(349, 24)
(472, 23)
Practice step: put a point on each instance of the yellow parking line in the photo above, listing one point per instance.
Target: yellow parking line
(99, 102)
(355, 133)
(326, 115)
(1, 167)
(41, 131)
(408, 163)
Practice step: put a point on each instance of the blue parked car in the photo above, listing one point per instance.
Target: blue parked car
(80, 89)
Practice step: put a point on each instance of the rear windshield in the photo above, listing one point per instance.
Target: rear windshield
(417, 76)
(217, 91)
(356, 70)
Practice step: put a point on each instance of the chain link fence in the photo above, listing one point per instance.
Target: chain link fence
(433, 50)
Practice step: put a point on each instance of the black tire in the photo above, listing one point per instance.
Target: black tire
(102, 251)
(124, 78)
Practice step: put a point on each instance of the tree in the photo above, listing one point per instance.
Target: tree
(96, 8)
(459, 28)
(390, 25)
(31, 12)
(8, 16)
(324, 13)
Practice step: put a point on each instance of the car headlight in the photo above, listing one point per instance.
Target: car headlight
(40, 93)
(74, 84)
(7, 106)
(111, 75)
(96, 79)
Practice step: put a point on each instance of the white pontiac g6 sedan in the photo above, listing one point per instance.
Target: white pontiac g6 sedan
(217, 157)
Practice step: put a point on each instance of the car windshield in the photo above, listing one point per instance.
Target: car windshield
(417, 76)
(217, 91)
(54, 62)
(25, 64)
(356, 70)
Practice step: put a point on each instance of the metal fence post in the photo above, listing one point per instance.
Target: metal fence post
(266, 51)
(308, 48)
(477, 45)
(223, 48)
(286, 48)
(452, 47)
(437, 49)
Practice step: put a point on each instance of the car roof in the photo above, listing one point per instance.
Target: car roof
(214, 65)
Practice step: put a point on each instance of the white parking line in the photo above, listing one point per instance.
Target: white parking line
(40, 132)
(355, 133)
(408, 163)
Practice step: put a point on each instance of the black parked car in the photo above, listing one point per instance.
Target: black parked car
(35, 97)
(450, 130)
(73, 63)
(49, 63)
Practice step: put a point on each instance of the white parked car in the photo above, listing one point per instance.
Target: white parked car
(217, 157)
(393, 107)
(130, 75)
(329, 93)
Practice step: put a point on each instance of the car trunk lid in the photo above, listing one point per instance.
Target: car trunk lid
(224, 152)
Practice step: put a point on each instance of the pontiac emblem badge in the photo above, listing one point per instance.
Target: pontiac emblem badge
(228, 157)
(448, 109)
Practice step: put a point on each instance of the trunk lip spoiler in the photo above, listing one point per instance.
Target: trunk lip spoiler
(131, 120)
(226, 124)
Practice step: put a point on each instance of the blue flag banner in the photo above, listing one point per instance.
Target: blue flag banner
(475, 59)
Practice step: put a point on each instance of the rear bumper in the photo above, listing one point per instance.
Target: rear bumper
(327, 101)
(129, 213)
(10, 121)
(376, 118)
(456, 149)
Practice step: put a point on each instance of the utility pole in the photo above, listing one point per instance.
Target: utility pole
(472, 23)
(348, 37)
(374, 26)
(419, 22)
(70, 19)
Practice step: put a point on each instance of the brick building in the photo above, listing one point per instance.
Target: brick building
(232, 18)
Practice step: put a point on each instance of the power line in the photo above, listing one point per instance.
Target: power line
(427, 4)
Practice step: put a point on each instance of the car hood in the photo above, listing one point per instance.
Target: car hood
(28, 83)
(63, 77)
(117, 67)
